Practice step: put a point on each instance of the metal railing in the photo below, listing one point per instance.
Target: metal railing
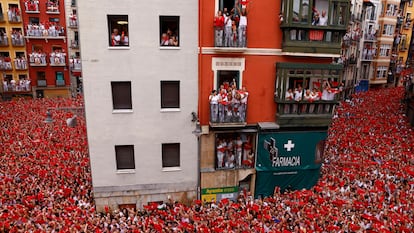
(228, 113)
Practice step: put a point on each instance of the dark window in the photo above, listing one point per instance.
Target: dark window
(170, 94)
(171, 155)
(125, 157)
(34, 20)
(118, 30)
(169, 30)
(121, 95)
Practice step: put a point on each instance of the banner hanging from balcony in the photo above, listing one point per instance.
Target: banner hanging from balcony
(289, 160)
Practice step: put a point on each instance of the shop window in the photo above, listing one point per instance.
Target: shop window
(170, 155)
(121, 95)
(124, 157)
(118, 33)
(235, 150)
(170, 94)
(169, 31)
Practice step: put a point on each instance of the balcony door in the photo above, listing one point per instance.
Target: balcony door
(227, 78)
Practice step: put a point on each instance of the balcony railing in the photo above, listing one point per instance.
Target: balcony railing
(41, 31)
(57, 59)
(4, 40)
(316, 113)
(5, 64)
(368, 54)
(73, 21)
(31, 6)
(14, 15)
(370, 36)
(74, 44)
(75, 64)
(17, 40)
(20, 64)
(41, 83)
(225, 37)
(52, 7)
(37, 59)
(60, 82)
(228, 113)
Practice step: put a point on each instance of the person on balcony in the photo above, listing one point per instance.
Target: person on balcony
(243, 103)
(242, 25)
(323, 19)
(219, 28)
(228, 32)
(214, 101)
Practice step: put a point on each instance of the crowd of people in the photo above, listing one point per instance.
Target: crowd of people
(31, 5)
(234, 152)
(228, 104)
(20, 63)
(58, 57)
(37, 57)
(366, 184)
(169, 38)
(231, 26)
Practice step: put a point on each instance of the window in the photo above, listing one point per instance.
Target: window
(41, 79)
(171, 155)
(385, 50)
(125, 157)
(170, 94)
(169, 30)
(121, 95)
(382, 71)
(34, 20)
(118, 30)
(388, 30)
(235, 150)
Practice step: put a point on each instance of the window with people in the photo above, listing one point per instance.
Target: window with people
(230, 24)
(169, 31)
(307, 91)
(14, 13)
(20, 62)
(57, 56)
(37, 56)
(235, 150)
(5, 61)
(228, 103)
(4, 41)
(315, 12)
(118, 30)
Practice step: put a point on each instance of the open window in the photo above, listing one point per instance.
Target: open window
(118, 30)
(169, 31)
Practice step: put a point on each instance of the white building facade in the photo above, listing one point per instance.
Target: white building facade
(140, 69)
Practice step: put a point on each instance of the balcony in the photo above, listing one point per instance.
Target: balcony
(75, 64)
(40, 31)
(4, 41)
(306, 93)
(17, 40)
(14, 16)
(41, 83)
(368, 54)
(370, 36)
(57, 59)
(5, 64)
(22, 86)
(31, 7)
(2, 20)
(74, 44)
(73, 21)
(52, 7)
(228, 114)
(20, 64)
(37, 59)
(316, 113)
(60, 82)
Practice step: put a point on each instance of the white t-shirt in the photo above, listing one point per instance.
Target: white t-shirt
(323, 20)
(243, 20)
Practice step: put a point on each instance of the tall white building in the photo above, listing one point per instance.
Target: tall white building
(140, 69)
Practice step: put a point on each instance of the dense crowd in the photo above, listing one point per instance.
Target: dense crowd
(366, 183)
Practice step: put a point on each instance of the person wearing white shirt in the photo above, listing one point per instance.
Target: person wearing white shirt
(323, 19)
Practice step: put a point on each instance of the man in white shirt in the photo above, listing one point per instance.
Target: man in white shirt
(323, 19)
